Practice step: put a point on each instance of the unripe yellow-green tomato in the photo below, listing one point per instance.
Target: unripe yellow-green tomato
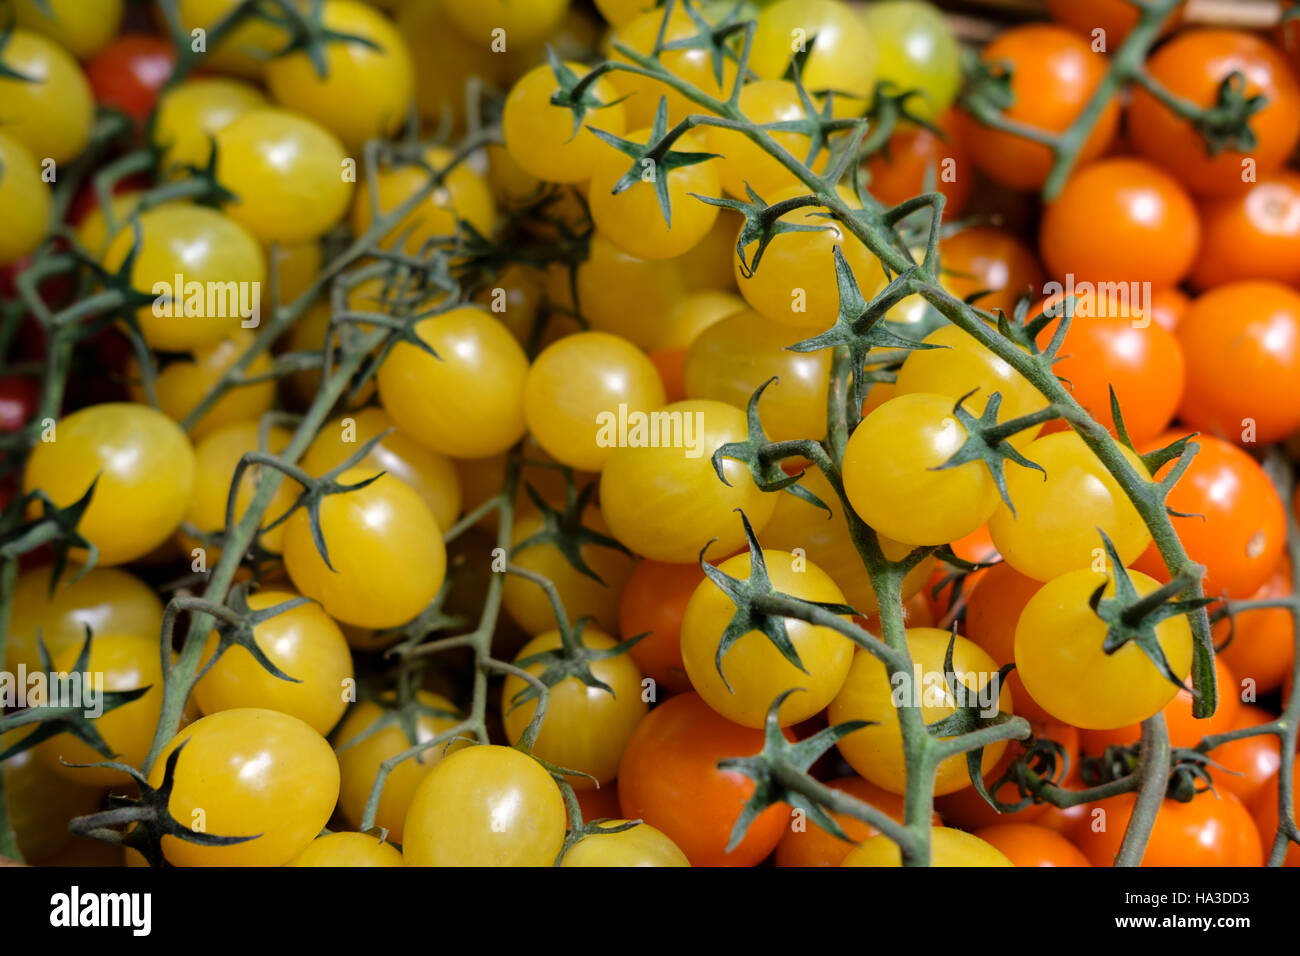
(840, 54)
(585, 729)
(348, 849)
(485, 806)
(870, 693)
(24, 201)
(640, 845)
(142, 466)
(302, 642)
(578, 389)
(948, 847)
(384, 546)
(753, 666)
(547, 140)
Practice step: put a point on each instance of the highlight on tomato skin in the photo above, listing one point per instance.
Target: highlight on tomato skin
(794, 433)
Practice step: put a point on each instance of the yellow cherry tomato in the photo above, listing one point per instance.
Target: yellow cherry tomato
(348, 849)
(82, 27)
(659, 492)
(387, 552)
(444, 62)
(40, 802)
(485, 806)
(290, 175)
(189, 116)
(431, 475)
(302, 642)
(218, 454)
(367, 88)
(948, 847)
(546, 140)
(443, 402)
(755, 669)
(585, 729)
(364, 743)
(640, 845)
(51, 109)
(249, 772)
(143, 467)
(24, 201)
(841, 55)
(521, 24)
(746, 164)
(620, 293)
(245, 49)
(869, 693)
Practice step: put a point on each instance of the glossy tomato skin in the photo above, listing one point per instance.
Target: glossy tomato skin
(584, 729)
(1239, 531)
(19, 396)
(959, 365)
(1025, 844)
(1142, 362)
(302, 642)
(918, 51)
(52, 111)
(362, 743)
(1054, 528)
(440, 402)
(194, 111)
(1054, 74)
(753, 671)
(145, 471)
(667, 503)
(540, 136)
(876, 752)
(744, 163)
(621, 293)
(948, 847)
(1263, 643)
(1059, 655)
(1252, 236)
(348, 849)
(217, 456)
(642, 845)
(24, 202)
(896, 457)
(653, 602)
(384, 545)
(670, 767)
(992, 612)
(1192, 66)
(286, 172)
(82, 27)
(367, 87)
(485, 806)
(1250, 764)
(40, 803)
(1242, 345)
(844, 57)
(248, 772)
(577, 386)
(128, 73)
(730, 359)
(1211, 830)
(1121, 220)
(1115, 17)
(1265, 812)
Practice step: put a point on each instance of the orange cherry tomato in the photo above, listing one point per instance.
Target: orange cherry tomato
(1028, 845)
(992, 612)
(654, 600)
(916, 156)
(1210, 830)
(1252, 236)
(988, 259)
(1251, 763)
(1263, 640)
(810, 845)
(1264, 810)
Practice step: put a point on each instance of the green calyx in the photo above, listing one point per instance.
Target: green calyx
(987, 440)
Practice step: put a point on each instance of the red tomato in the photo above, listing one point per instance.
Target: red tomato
(1025, 844)
(19, 396)
(1252, 236)
(1210, 830)
(1240, 538)
(129, 72)
(914, 156)
(670, 779)
(653, 602)
(1120, 220)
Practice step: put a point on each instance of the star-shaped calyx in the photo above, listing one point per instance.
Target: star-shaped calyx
(565, 531)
